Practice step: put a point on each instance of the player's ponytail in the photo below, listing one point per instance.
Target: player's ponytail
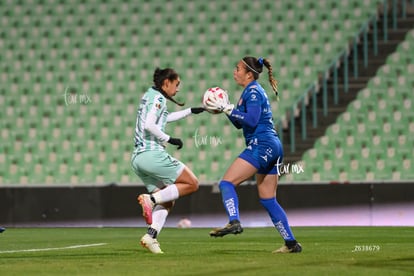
(160, 75)
(256, 67)
(272, 80)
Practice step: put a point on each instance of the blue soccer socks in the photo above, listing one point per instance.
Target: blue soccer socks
(230, 199)
(279, 218)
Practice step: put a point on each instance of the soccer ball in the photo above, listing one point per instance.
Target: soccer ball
(214, 92)
(184, 223)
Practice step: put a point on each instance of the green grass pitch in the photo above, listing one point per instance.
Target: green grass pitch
(116, 251)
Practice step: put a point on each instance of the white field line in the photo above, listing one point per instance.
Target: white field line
(54, 248)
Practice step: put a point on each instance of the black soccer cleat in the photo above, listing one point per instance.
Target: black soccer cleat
(233, 227)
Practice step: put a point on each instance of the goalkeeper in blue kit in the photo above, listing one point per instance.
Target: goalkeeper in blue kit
(263, 153)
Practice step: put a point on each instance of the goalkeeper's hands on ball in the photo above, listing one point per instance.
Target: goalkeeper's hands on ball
(222, 105)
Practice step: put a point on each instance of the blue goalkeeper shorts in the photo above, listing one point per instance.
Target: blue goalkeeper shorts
(266, 156)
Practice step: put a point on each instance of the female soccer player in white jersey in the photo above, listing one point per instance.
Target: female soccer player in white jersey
(165, 177)
(263, 152)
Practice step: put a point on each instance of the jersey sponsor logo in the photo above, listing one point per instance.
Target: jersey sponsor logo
(237, 116)
(254, 95)
(158, 102)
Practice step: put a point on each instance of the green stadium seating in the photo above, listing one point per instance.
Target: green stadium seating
(108, 51)
(376, 151)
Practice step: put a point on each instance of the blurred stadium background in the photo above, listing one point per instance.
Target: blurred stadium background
(72, 73)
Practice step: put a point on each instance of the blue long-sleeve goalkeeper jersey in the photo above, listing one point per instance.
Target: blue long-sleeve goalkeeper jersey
(253, 114)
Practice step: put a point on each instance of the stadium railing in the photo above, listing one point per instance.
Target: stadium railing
(310, 93)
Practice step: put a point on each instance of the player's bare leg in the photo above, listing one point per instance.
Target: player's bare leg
(185, 184)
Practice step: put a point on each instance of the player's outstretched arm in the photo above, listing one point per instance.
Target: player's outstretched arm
(178, 115)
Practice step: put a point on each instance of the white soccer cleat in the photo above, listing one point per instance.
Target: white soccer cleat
(147, 205)
(151, 244)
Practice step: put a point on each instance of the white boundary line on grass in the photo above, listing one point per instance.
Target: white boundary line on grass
(54, 248)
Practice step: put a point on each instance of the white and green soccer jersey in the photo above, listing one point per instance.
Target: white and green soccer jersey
(152, 103)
